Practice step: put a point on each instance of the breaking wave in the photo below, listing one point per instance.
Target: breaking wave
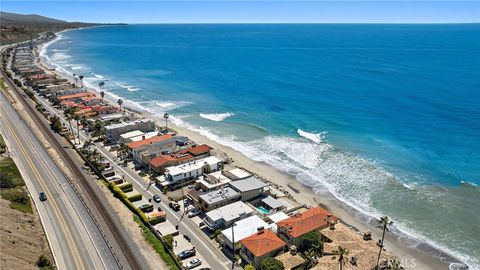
(314, 137)
(217, 117)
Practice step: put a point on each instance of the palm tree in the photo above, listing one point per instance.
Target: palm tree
(342, 254)
(81, 79)
(395, 264)
(120, 102)
(77, 119)
(165, 115)
(101, 84)
(69, 119)
(384, 222)
(75, 78)
(102, 94)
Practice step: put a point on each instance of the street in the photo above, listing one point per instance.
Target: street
(75, 240)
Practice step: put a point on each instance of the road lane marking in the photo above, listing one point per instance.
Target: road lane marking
(77, 259)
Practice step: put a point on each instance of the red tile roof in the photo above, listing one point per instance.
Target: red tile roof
(163, 159)
(133, 145)
(302, 223)
(262, 243)
(77, 95)
(198, 150)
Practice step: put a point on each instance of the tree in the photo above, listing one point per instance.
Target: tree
(272, 264)
(384, 222)
(55, 123)
(120, 102)
(395, 264)
(249, 267)
(77, 119)
(313, 240)
(342, 254)
(81, 79)
(166, 116)
(102, 94)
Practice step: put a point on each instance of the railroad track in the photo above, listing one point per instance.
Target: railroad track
(130, 257)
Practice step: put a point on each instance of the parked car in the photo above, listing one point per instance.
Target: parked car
(194, 212)
(174, 205)
(42, 196)
(156, 198)
(187, 253)
(194, 263)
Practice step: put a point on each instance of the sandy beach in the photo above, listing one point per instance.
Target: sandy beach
(401, 247)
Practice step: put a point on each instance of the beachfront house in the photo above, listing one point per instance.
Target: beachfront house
(241, 230)
(225, 216)
(237, 174)
(161, 144)
(114, 131)
(250, 187)
(216, 198)
(292, 229)
(259, 246)
(160, 162)
(184, 174)
(212, 181)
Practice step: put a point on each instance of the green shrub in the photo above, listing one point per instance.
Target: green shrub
(157, 245)
(168, 240)
(125, 186)
(135, 197)
(43, 261)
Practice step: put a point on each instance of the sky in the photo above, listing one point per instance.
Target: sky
(266, 11)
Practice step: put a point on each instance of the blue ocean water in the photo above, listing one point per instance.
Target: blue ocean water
(386, 117)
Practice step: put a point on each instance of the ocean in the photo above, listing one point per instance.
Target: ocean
(384, 116)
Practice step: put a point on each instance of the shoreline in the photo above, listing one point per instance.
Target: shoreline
(426, 257)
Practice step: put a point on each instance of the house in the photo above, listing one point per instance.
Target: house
(75, 97)
(259, 246)
(162, 143)
(89, 101)
(274, 218)
(159, 163)
(237, 174)
(241, 230)
(363, 254)
(291, 260)
(217, 198)
(212, 181)
(104, 109)
(183, 174)
(292, 229)
(250, 188)
(225, 216)
(114, 131)
(125, 137)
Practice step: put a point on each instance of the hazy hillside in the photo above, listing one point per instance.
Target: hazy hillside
(19, 27)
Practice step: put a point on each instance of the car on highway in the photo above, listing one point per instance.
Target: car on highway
(174, 205)
(156, 198)
(194, 263)
(194, 212)
(187, 253)
(42, 196)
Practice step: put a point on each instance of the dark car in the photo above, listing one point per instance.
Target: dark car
(42, 196)
(174, 205)
(156, 198)
(187, 253)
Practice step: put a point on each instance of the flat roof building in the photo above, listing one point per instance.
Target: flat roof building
(217, 198)
(250, 188)
(242, 229)
(226, 215)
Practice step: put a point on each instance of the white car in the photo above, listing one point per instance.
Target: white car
(194, 263)
(194, 212)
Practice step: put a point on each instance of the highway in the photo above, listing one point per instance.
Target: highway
(74, 238)
(214, 257)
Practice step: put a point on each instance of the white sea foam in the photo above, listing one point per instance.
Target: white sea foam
(315, 137)
(217, 117)
(98, 76)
